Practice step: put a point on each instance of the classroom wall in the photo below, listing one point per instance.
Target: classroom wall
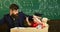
(49, 8)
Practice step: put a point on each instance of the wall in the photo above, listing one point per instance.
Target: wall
(49, 8)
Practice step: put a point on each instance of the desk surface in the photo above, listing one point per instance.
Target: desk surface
(28, 29)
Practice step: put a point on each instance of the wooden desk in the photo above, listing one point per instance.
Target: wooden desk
(29, 29)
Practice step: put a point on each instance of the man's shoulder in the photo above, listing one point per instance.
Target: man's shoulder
(21, 13)
(6, 15)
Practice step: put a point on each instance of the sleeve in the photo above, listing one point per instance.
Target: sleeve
(2, 21)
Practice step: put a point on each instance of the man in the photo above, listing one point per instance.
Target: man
(14, 18)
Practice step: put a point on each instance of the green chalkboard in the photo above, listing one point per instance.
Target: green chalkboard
(49, 8)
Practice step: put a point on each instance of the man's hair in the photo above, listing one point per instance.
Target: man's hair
(14, 7)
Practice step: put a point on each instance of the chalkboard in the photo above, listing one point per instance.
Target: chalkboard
(49, 8)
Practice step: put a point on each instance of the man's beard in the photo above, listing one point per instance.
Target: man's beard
(14, 16)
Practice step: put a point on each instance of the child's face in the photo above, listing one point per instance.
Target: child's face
(38, 17)
(35, 18)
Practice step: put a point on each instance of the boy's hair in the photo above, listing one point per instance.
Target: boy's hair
(37, 14)
(30, 18)
(14, 7)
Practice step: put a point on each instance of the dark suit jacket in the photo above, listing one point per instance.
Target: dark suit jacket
(9, 21)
